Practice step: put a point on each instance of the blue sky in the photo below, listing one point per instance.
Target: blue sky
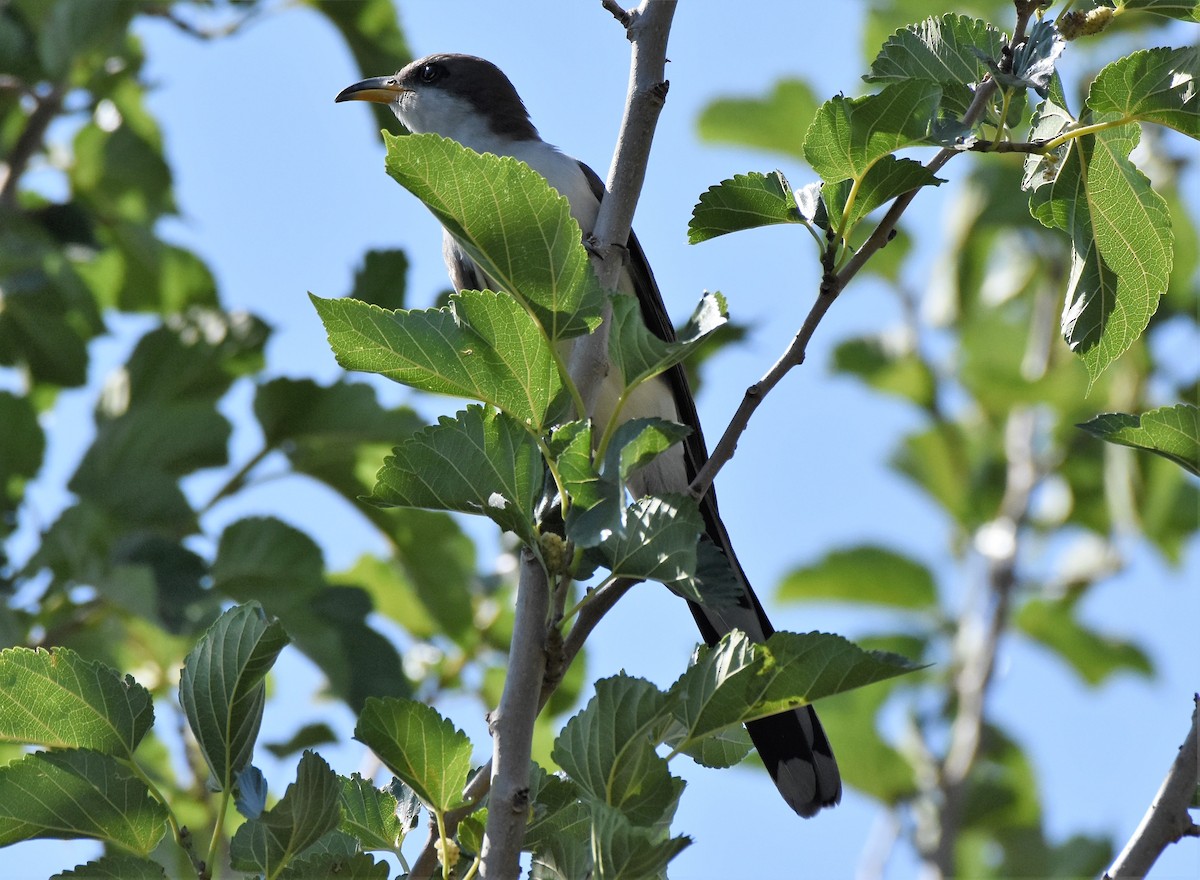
(281, 191)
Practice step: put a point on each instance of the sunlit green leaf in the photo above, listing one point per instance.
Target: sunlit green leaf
(608, 750)
(1170, 431)
(1184, 10)
(942, 50)
(622, 850)
(369, 814)
(480, 462)
(510, 222)
(656, 540)
(484, 347)
(640, 354)
(1121, 244)
(1154, 85)
(849, 135)
(421, 747)
(56, 698)
(745, 201)
(78, 793)
(885, 180)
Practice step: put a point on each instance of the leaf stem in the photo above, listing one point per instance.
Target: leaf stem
(218, 828)
(1082, 130)
(440, 817)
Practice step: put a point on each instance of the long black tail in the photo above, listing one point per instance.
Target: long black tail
(792, 744)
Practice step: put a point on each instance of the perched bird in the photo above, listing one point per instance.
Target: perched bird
(471, 101)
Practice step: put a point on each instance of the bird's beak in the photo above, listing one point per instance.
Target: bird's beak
(380, 89)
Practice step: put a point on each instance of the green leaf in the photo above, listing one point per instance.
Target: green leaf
(58, 699)
(1184, 10)
(597, 512)
(267, 561)
(484, 346)
(132, 467)
(716, 692)
(885, 180)
(314, 424)
(480, 462)
(640, 354)
(1093, 656)
(849, 135)
(75, 28)
(655, 540)
(419, 746)
(776, 122)
(880, 365)
(371, 29)
(1121, 244)
(1170, 431)
(195, 357)
(608, 750)
(814, 665)
(744, 201)
(369, 814)
(337, 434)
(1154, 85)
(556, 817)
(510, 222)
(307, 810)
(852, 721)
(737, 680)
(624, 851)
(78, 793)
(315, 734)
(22, 444)
(115, 868)
(723, 748)
(380, 280)
(943, 50)
(865, 573)
(343, 866)
(222, 688)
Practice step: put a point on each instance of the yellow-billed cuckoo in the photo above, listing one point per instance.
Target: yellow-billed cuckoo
(471, 101)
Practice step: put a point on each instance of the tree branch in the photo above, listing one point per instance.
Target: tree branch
(589, 616)
(832, 284)
(28, 143)
(1167, 821)
(512, 724)
(647, 27)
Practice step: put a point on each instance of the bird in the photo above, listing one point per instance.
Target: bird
(470, 100)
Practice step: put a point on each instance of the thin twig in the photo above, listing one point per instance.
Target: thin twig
(28, 143)
(425, 864)
(618, 12)
(831, 286)
(512, 723)
(1167, 821)
(648, 28)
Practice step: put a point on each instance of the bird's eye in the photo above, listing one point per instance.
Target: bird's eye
(431, 73)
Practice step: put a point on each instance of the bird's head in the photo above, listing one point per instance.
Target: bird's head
(457, 96)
